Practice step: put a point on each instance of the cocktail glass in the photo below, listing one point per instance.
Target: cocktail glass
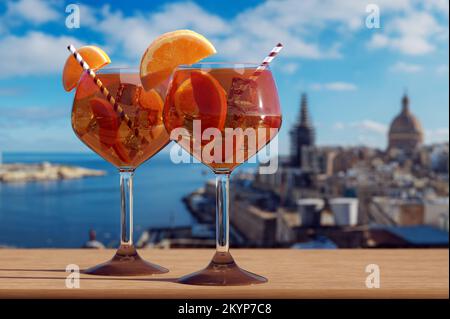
(125, 139)
(211, 110)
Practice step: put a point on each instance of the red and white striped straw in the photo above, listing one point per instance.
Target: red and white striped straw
(117, 107)
(266, 61)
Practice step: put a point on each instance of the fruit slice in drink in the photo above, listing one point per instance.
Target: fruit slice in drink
(202, 98)
(107, 121)
(152, 103)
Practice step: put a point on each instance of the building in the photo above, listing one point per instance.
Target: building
(405, 132)
(343, 196)
(439, 159)
(303, 139)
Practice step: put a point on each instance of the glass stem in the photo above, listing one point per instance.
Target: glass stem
(222, 213)
(126, 207)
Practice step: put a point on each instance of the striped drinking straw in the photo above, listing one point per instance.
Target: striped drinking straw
(266, 61)
(117, 107)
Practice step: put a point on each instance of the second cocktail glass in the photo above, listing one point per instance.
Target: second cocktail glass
(222, 114)
(125, 138)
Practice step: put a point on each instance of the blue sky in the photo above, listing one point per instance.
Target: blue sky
(354, 76)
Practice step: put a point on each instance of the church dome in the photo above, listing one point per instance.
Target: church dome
(405, 122)
(405, 131)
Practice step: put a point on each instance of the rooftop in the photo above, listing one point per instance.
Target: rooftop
(420, 235)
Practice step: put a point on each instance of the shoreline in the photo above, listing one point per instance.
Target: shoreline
(45, 171)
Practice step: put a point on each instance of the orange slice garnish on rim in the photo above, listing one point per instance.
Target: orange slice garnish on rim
(170, 50)
(94, 56)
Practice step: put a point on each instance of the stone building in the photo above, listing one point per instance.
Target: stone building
(405, 132)
(303, 139)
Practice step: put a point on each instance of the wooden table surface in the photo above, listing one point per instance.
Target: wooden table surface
(37, 273)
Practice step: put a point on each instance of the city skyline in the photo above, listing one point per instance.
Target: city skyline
(355, 77)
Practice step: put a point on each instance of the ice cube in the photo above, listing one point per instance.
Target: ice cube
(243, 96)
(242, 103)
(127, 136)
(142, 119)
(128, 94)
(132, 143)
(83, 120)
(124, 132)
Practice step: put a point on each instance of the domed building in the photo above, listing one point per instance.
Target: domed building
(405, 132)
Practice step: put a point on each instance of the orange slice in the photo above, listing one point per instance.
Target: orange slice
(94, 56)
(107, 121)
(203, 98)
(170, 50)
(153, 103)
(151, 100)
(211, 99)
(108, 127)
(184, 100)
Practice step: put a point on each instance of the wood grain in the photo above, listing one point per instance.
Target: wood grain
(292, 274)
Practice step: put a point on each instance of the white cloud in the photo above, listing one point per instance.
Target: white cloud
(437, 135)
(190, 15)
(289, 68)
(39, 116)
(369, 126)
(338, 126)
(301, 26)
(364, 132)
(256, 30)
(412, 32)
(440, 6)
(11, 91)
(33, 53)
(404, 67)
(378, 41)
(87, 15)
(412, 45)
(35, 11)
(442, 69)
(246, 37)
(334, 86)
(132, 34)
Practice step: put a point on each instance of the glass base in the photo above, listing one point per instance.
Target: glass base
(222, 271)
(126, 262)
